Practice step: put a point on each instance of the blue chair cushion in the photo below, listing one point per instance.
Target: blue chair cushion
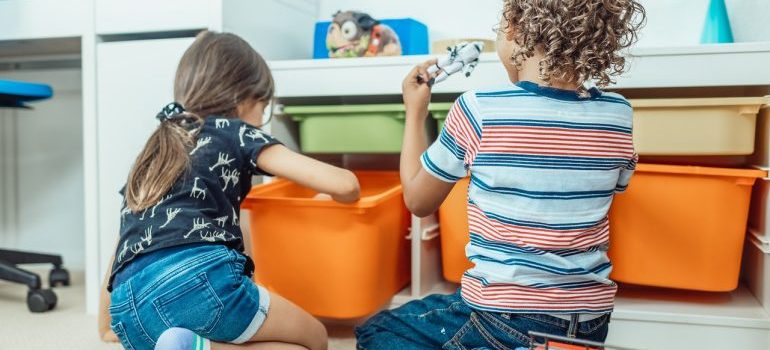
(17, 93)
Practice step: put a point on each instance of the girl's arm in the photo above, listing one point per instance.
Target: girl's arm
(341, 184)
(105, 332)
(423, 193)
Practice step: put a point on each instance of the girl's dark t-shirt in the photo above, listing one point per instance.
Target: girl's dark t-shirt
(204, 204)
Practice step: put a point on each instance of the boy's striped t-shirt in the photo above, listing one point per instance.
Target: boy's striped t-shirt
(544, 165)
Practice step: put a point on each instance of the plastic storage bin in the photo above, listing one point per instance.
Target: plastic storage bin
(681, 227)
(350, 128)
(439, 112)
(331, 259)
(412, 34)
(696, 126)
(453, 224)
(686, 126)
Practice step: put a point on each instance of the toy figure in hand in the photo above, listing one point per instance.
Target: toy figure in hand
(463, 56)
(356, 34)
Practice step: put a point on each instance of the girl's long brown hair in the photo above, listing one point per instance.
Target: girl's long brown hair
(218, 72)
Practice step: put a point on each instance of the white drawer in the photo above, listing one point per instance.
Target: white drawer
(139, 16)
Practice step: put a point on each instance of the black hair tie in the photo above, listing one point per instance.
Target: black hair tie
(170, 111)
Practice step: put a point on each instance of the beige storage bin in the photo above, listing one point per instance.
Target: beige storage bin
(696, 126)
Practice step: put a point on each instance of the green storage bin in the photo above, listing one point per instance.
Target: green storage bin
(376, 128)
(439, 112)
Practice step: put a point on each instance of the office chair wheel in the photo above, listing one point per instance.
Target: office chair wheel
(59, 276)
(41, 300)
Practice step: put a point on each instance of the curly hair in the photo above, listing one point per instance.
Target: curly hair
(582, 39)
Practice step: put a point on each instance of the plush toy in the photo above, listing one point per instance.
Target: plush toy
(356, 34)
(463, 56)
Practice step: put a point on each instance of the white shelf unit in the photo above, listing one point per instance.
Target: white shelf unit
(696, 66)
(644, 317)
(647, 321)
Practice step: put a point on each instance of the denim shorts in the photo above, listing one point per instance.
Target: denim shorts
(447, 322)
(203, 288)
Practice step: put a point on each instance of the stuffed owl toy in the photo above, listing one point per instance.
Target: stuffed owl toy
(356, 34)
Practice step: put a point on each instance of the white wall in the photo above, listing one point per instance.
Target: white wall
(680, 22)
(669, 22)
(45, 171)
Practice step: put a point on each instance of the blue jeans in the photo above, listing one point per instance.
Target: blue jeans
(447, 322)
(203, 288)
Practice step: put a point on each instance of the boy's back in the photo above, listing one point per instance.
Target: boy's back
(544, 165)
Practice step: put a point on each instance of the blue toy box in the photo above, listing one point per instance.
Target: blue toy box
(413, 35)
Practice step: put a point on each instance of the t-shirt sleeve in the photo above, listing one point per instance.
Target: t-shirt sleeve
(251, 142)
(449, 158)
(626, 173)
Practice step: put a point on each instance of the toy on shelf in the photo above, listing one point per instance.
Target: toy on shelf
(463, 56)
(356, 34)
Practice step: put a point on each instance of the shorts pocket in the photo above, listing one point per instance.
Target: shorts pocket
(120, 332)
(193, 305)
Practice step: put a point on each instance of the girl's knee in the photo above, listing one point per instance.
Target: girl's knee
(320, 336)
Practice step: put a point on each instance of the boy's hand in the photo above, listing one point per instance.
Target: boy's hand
(416, 90)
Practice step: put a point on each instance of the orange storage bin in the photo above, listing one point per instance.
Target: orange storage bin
(681, 227)
(453, 223)
(333, 260)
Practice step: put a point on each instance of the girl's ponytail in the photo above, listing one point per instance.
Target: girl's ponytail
(162, 161)
(218, 72)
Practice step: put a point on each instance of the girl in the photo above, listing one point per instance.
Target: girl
(180, 279)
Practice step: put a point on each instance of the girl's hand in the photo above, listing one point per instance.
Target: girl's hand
(416, 90)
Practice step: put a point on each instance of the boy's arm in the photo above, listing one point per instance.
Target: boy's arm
(105, 332)
(423, 193)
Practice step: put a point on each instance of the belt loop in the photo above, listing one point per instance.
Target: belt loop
(573, 325)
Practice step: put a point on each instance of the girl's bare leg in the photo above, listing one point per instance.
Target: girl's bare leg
(286, 327)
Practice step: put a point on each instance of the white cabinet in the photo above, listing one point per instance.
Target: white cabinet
(137, 16)
(135, 80)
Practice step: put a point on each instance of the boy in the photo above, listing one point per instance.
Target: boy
(545, 156)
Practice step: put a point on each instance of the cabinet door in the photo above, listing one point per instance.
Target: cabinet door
(134, 81)
(138, 16)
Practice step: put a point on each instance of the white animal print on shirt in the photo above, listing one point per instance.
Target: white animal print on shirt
(140, 246)
(143, 214)
(196, 191)
(162, 199)
(229, 176)
(212, 236)
(255, 134)
(201, 142)
(171, 213)
(221, 123)
(241, 132)
(123, 212)
(235, 217)
(221, 220)
(123, 251)
(198, 224)
(224, 159)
